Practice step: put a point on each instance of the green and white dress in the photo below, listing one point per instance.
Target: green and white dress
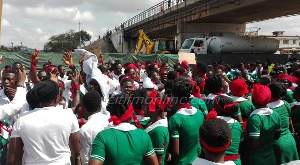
(237, 137)
(159, 135)
(122, 144)
(285, 147)
(185, 125)
(246, 107)
(263, 124)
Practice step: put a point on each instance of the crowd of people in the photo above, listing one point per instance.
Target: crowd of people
(131, 113)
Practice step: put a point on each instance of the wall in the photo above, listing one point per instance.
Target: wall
(116, 39)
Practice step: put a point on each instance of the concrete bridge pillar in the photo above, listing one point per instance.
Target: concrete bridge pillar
(190, 30)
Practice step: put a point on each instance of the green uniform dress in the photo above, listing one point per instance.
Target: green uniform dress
(263, 124)
(246, 107)
(237, 137)
(185, 125)
(209, 100)
(254, 77)
(123, 144)
(289, 96)
(285, 147)
(159, 135)
(200, 105)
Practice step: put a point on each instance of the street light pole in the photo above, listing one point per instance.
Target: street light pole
(79, 36)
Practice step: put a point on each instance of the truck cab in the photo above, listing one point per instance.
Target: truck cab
(164, 46)
(194, 45)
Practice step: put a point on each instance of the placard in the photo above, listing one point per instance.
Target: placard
(189, 57)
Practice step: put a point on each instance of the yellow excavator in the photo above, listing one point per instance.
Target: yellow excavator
(158, 46)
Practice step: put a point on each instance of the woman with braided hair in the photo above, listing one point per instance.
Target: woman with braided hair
(215, 138)
(183, 124)
(158, 128)
(285, 147)
(122, 143)
(226, 109)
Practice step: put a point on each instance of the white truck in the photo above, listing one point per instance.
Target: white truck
(230, 45)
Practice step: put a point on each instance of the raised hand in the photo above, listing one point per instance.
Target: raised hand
(54, 74)
(68, 59)
(21, 76)
(35, 57)
(75, 77)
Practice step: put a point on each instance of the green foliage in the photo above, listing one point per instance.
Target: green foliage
(66, 41)
(4, 49)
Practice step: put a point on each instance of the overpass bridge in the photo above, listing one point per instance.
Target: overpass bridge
(183, 19)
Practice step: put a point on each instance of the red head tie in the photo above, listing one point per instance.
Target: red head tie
(129, 66)
(215, 149)
(127, 115)
(157, 102)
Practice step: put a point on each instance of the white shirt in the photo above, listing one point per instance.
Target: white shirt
(64, 79)
(200, 161)
(143, 76)
(45, 133)
(9, 108)
(96, 123)
(67, 91)
(3, 98)
(115, 77)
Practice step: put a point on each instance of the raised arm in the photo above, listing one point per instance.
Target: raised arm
(33, 73)
(75, 89)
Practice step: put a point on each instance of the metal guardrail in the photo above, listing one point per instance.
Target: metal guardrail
(160, 7)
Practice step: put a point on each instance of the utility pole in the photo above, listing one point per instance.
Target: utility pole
(12, 46)
(1, 6)
(79, 36)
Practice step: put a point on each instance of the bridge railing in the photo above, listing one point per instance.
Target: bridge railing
(160, 7)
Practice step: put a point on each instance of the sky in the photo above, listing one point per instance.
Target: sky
(33, 22)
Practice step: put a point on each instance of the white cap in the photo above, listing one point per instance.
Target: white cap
(147, 83)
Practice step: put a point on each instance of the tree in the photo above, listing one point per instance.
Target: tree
(4, 49)
(66, 41)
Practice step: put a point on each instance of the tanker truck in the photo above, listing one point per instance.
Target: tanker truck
(230, 44)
